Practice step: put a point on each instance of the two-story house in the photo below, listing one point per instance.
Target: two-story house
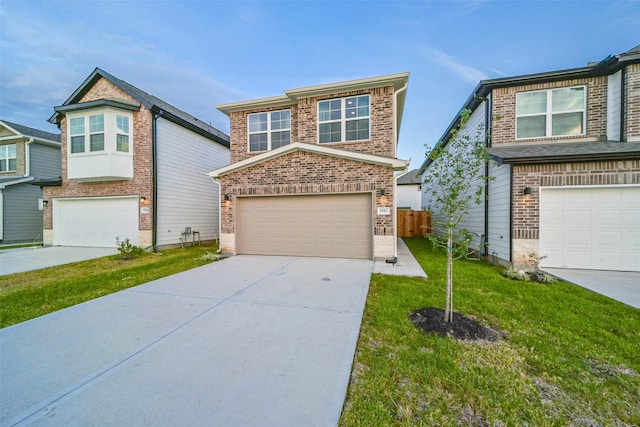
(312, 171)
(133, 166)
(26, 155)
(566, 185)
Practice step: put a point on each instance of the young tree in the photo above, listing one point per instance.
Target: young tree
(454, 182)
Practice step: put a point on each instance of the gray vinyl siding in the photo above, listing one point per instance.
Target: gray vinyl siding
(498, 233)
(22, 219)
(474, 220)
(186, 196)
(613, 106)
(45, 161)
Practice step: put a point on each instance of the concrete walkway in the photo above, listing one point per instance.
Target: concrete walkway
(35, 258)
(623, 286)
(406, 265)
(247, 341)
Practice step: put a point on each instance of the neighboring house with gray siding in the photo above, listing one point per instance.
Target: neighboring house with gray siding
(566, 182)
(26, 155)
(408, 188)
(133, 166)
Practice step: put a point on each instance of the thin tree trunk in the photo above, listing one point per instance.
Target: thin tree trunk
(448, 311)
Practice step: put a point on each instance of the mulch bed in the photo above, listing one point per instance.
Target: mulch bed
(464, 328)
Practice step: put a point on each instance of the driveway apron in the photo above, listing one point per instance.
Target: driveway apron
(245, 341)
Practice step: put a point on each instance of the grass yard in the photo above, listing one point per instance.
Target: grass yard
(567, 356)
(31, 294)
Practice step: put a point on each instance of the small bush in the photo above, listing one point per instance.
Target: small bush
(127, 249)
(536, 276)
(210, 256)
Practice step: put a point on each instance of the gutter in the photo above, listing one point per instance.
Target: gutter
(396, 135)
(27, 157)
(154, 172)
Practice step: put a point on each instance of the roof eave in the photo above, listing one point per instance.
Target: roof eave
(565, 158)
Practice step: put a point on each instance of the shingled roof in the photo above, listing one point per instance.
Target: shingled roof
(565, 152)
(410, 178)
(32, 132)
(150, 102)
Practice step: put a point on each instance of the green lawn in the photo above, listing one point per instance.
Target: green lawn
(567, 356)
(27, 295)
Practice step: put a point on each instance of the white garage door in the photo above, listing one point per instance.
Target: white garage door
(95, 221)
(337, 226)
(590, 228)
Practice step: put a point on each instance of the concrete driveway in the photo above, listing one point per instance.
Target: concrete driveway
(259, 341)
(623, 286)
(27, 259)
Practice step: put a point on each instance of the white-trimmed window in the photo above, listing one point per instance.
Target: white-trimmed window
(122, 133)
(344, 119)
(103, 131)
(552, 112)
(268, 131)
(8, 158)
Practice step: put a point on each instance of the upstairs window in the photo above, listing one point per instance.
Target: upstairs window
(107, 131)
(268, 131)
(8, 159)
(553, 112)
(344, 119)
(122, 133)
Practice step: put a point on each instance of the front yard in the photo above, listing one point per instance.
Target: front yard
(27, 295)
(566, 357)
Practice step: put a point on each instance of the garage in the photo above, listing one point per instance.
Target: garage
(95, 221)
(335, 225)
(595, 228)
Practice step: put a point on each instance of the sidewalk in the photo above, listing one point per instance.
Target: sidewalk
(406, 265)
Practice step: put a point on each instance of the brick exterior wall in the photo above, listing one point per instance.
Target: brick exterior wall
(304, 125)
(632, 103)
(526, 209)
(503, 121)
(142, 183)
(310, 173)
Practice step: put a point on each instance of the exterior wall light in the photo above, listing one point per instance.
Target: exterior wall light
(227, 197)
(45, 203)
(143, 200)
(382, 192)
(527, 191)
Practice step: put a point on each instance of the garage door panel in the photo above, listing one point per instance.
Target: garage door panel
(590, 228)
(314, 225)
(95, 221)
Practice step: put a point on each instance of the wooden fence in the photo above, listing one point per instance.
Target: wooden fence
(413, 223)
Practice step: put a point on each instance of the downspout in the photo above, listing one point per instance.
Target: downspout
(217, 181)
(396, 131)
(487, 144)
(154, 168)
(622, 92)
(27, 157)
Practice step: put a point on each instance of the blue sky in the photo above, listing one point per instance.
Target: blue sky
(196, 54)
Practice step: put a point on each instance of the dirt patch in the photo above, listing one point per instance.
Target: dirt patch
(464, 328)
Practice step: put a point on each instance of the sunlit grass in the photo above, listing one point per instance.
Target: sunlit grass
(567, 357)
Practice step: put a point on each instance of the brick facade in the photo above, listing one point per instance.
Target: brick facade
(503, 120)
(304, 125)
(302, 172)
(142, 183)
(310, 173)
(632, 103)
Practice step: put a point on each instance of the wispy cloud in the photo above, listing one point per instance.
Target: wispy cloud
(445, 60)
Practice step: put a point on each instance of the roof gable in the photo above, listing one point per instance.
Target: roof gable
(150, 102)
(410, 178)
(396, 164)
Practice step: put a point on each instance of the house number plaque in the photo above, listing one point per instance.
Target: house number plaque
(384, 211)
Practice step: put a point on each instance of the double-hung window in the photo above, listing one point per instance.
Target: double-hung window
(344, 119)
(268, 131)
(96, 132)
(553, 112)
(122, 133)
(8, 158)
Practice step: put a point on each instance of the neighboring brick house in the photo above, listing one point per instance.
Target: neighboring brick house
(133, 167)
(566, 186)
(26, 155)
(312, 171)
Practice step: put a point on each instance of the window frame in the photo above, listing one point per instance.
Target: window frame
(4, 155)
(110, 131)
(549, 113)
(269, 131)
(343, 120)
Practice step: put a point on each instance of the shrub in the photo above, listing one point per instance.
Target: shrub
(127, 249)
